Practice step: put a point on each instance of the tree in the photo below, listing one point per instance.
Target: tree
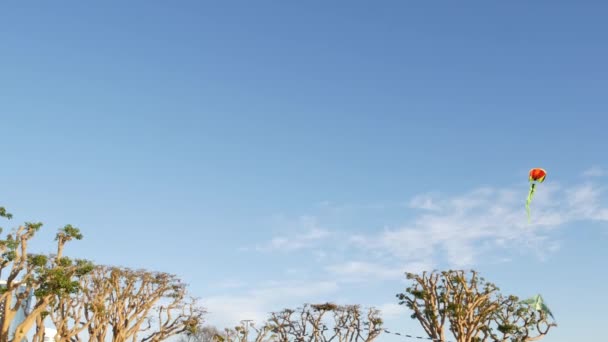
(203, 334)
(78, 297)
(472, 309)
(136, 305)
(42, 276)
(310, 324)
(239, 333)
(67, 314)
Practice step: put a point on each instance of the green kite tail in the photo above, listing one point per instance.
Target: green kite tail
(529, 200)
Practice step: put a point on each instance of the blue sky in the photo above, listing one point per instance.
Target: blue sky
(273, 153)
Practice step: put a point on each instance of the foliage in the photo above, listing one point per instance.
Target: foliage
(78, 296)
(471, 308)
(126, 303)
(310, 323)
(140, 305)
(202, 334)
(43, 276)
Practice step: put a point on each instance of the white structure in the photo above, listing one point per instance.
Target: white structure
(49, 334)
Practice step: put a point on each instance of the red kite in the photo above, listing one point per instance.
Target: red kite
(537, 175)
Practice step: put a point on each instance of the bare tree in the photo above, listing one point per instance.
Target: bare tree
(103, 301)
(240, 333)
(203, 334)
(326, 322)
(137, 305)
(472, 309)
(515, 321)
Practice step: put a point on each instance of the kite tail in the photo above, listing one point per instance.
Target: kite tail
(529, 200)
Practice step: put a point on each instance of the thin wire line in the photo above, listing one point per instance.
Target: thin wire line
(411, 336)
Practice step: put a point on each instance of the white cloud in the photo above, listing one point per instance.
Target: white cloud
(231, 284)
(602, 214)
(455, 230)
(227, 311)
(425, 202)
(281, 289)
(392, 310)
(320, 255)
(594, 172)
(308, 234)
(462, 228)
(459, 231)
(257, 303)
(585, 203)
(358, 271)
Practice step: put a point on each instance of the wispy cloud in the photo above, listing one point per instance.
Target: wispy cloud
(357, 271)
(584, 202)
(425, 202)
(282, 289)
(466, 226)
(308, 234)
(482, 225)
(231, 284)
(392, 310)
(595, 171)
(258, 302)
(228, 310)
(455, 230)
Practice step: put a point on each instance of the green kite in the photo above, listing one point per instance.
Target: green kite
(537, 303)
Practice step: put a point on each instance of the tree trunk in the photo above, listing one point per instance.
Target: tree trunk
(39, 335)
(30, 320)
